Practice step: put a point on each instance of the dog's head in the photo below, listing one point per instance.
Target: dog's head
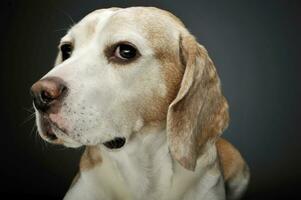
(121, 70)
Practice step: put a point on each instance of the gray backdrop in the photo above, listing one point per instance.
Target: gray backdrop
(254, 44)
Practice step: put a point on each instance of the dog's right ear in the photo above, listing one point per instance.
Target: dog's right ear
(199, 112)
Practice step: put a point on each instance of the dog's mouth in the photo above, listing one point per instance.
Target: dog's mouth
(50, 134)
(48, 129)
(116, 143)
(53, 133)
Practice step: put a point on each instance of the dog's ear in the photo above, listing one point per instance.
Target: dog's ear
(199, 112)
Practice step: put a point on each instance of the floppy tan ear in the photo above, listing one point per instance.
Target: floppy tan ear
(199, 112)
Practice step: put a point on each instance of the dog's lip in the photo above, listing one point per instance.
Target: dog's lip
(48, 127)
(55, 126)
(47, 130)
(115, 143)
(51, 135)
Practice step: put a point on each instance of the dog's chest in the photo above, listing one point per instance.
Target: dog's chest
(145, 166)
(144, 169)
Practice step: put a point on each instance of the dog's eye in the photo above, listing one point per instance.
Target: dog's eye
(125, 51)
(66, 50)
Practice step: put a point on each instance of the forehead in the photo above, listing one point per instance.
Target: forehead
(151, 25)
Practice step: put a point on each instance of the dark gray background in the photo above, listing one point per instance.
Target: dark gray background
(254, 44)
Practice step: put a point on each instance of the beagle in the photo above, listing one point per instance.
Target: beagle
(142, 95)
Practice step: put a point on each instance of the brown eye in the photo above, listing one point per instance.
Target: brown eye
(66, 50)
(125, 51)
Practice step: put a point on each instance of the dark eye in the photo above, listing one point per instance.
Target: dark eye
(125, 51)
(66, 50)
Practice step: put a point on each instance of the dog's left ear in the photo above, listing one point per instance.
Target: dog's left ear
(199, 112)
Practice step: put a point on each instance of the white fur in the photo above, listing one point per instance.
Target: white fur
(99, 105)
(144, 169)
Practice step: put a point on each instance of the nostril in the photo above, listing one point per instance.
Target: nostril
(63, 90)
(46, 97)
(48, 93)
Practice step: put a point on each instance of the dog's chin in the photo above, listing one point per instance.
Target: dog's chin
(50, 132)
(53, 138)
(71, 144)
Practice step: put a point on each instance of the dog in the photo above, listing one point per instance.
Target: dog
(136, 89)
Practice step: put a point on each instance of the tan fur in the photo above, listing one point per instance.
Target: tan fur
(230, 158)
(172, 73)
(166, 51)
(91, 28)
(175, 20)
(200, 111)
(198, 96)
(90, 158)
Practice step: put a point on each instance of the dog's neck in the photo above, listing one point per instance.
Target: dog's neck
(144, 162)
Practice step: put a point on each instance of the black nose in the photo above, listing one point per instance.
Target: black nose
(48, 93)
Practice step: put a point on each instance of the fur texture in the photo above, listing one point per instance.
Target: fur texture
(167, 104)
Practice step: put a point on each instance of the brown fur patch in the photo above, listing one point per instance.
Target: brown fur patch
(90, 158)
(200, 111)
(172, 74)
(230, 158)
(166, 52)
(167, 14)
(91, 26)
(153, 23)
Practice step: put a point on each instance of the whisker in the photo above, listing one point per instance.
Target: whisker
(38, 139)
(36, 134)
(45, 144)
(61, 29)
(33, 129)
(69, 16)
(30, 109)
(27, 119)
